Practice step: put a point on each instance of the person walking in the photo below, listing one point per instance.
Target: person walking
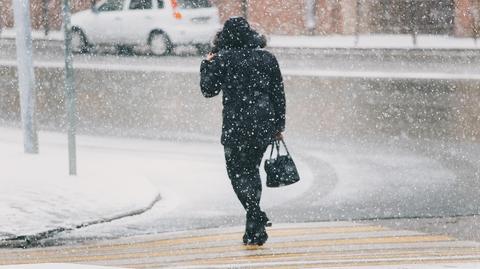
(253, 112)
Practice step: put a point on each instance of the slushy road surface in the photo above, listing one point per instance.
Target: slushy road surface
(442, 61)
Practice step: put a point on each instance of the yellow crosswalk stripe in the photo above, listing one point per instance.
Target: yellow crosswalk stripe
(207, 238)
(200, 250)
(363, 263)
(295, 253)
(326, 264)
(289, 232)
(330, 256)
(302, 246)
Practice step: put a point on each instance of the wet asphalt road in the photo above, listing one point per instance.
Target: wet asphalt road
(360, 180)
(397, 183)
(341, 60)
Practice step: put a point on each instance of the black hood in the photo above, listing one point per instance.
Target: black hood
(237, 33)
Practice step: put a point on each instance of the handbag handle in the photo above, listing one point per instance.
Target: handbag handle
(277, 145)
(285, 145)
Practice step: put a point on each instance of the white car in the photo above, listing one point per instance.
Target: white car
(158, 25)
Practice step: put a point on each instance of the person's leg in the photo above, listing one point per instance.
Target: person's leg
(243, 170)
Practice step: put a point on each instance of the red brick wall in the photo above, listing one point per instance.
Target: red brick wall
(278, 16)
(270, 16)
(467, 19)
(6, 14)
(36, 12)
(329, 17)
(228, 8)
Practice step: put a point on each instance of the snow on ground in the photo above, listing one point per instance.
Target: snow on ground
(381, 41)
(36, 34)
(190, 176)
(374, 42)
(310, 72)
(37, 194)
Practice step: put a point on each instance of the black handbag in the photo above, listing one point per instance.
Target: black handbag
(281, 171)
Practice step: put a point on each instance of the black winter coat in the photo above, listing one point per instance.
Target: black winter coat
(253, 94)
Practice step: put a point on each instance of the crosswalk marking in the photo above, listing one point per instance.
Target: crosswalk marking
(329, 264)
(320, 256)
(218, 238)
(290, 246)
(237, 247)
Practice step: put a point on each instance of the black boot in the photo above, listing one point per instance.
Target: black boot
(255, 233)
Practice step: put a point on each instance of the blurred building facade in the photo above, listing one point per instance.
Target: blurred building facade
(317, 17)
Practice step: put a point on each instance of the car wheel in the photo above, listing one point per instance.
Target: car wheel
(159, 44)
(79, 41)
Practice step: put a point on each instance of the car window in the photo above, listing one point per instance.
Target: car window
(161, 4)
(111, 5)
(194, 3)
(140, 4)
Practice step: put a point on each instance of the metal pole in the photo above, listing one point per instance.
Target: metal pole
(26, 75)
(70, 95)
(357, 22)
(1, 17)
(310, 16)
(475, 18)
(46, 22)
(413, 21)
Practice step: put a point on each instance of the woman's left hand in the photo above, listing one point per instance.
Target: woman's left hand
(210, 56)
(279, 136)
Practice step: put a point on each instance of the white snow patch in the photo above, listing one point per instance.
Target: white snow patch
(10, 33)
(359, 176)
(37, 194)
(336, 41)
(373, 41)
(385, 41)
(286, 72)
(447, 42)
(190, 176)
(364, 41)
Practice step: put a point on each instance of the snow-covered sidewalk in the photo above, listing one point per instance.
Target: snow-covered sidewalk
(10, 33)
(37, 195)
(117, 175)
(365, 41)
(372, 41)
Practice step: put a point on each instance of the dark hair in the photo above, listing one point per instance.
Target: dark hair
(237, 33)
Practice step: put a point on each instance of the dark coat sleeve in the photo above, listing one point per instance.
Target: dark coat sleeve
(278, 95)
(211, 77)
